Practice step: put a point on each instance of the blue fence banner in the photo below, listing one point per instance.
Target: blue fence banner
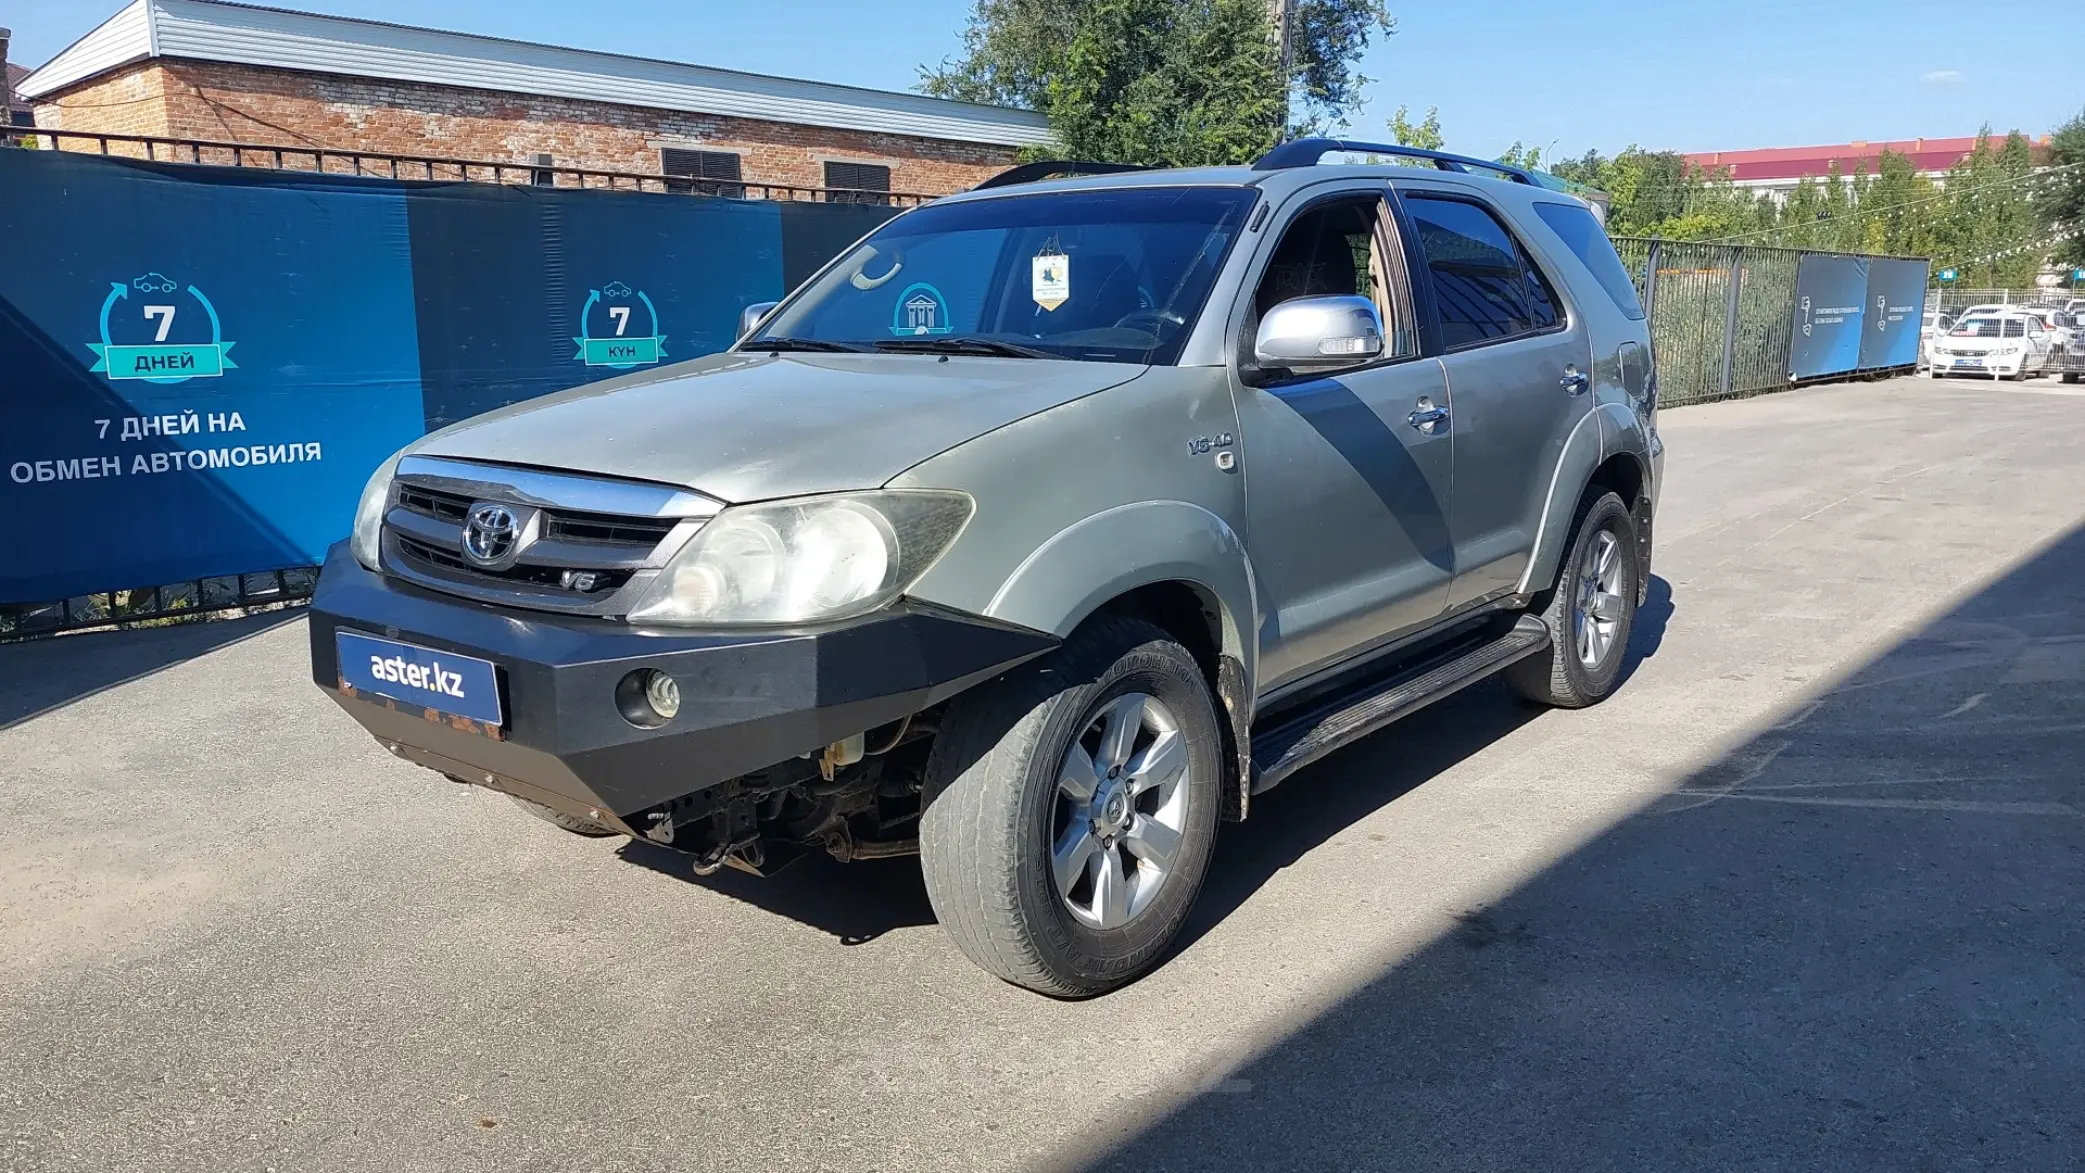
(1894, 311)
(202, 365)
(198, 376)
(1831, 295)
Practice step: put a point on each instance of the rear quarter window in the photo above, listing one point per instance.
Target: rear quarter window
(1582, 234)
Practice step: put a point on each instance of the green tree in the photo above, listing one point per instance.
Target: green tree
(1519, 155)
(2062, 202)
(1426, 134)
(1173, 82)
(1656, 193)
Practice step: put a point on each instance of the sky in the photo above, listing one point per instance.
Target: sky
(1564, 76)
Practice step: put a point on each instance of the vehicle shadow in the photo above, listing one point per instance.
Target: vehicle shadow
(1852, 943)
(39, 675)
(855, 902)
(1647, 634)
(1292, 820)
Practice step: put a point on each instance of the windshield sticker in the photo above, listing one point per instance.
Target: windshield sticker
(921, 310)
(1050, 283)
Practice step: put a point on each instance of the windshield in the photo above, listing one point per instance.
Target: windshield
(1104, 276)
(1989, 328)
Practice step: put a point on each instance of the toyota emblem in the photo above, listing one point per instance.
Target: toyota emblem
(494, 534)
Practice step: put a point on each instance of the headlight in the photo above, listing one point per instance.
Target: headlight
(367, 540)
(813, 558)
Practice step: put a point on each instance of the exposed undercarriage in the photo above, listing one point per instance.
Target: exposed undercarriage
(856, 799)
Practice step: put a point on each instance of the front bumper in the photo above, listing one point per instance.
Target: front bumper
(2005, 365)
(749, 699)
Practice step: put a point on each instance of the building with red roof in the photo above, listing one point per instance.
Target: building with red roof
(1777, 170)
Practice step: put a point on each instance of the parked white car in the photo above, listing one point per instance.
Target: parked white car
(1936, 323)
(2012, 344)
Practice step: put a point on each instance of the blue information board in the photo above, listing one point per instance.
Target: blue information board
(200, 366)
(1894, 311)
(198, 377)
(1831, 294)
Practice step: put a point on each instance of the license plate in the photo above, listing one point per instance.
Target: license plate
(443, 682)
(1969, 362)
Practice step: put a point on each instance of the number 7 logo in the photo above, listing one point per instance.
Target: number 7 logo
(165, 314)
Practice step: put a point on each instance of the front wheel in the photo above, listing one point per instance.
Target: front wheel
(1589, 614)
(1071, 809)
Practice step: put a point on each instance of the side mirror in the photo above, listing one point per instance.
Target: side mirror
(749, 319)
(1319, 334)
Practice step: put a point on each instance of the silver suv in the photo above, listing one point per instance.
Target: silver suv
(1043, 530)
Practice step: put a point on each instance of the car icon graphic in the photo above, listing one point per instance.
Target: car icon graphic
(154, 283)
(615, 289)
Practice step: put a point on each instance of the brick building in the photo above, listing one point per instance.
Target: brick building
(208, 70)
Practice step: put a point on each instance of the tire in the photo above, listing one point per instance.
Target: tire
(1559, 675)
(572, 823)
(995, 813)
(2070, 376)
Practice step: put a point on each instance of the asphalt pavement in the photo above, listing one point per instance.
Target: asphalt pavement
(1804, 895)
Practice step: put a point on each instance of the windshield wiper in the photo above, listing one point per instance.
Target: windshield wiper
(819, 345)
(980, 346)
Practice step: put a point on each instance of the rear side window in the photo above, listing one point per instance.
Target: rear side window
(1484, 288)
(1582, 234)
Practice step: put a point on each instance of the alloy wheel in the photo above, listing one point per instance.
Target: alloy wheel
(1121, 811)
(1596, 617)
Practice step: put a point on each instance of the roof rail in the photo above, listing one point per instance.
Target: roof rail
(1050, 168)
(1305, 152)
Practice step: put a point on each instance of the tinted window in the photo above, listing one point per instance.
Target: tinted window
(1480, 291)
(1542, 300)
(1582, 234)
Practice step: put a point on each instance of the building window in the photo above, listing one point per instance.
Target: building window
(857, 183)
(711, 173)
(22, 117)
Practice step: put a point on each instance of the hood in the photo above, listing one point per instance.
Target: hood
(748, 427)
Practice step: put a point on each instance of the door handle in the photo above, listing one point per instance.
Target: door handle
(1574, 381)
(1428, 416)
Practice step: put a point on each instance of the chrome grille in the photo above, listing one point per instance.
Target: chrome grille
(607, 530)
(586, 545)
(434, 503)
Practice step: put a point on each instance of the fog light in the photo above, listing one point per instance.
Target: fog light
(648, 698)
(662, 694)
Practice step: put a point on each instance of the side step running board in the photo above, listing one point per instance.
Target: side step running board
(1310, 735)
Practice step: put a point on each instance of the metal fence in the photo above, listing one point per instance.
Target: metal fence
(1721, 315)
(375, 165)
(1951, 299)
